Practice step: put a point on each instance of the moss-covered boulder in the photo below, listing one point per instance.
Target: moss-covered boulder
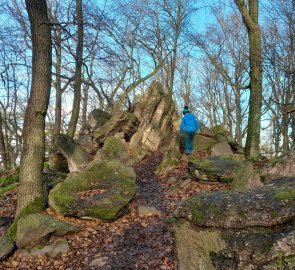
(213, 168)
(200, 248)
(102, 191)
(35, 229)
(239, 230)
(266, 206)
(6, 247)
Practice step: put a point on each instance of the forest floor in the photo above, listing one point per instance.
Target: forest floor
(132, 241)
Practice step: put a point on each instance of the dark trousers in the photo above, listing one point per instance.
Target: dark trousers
(189, 142)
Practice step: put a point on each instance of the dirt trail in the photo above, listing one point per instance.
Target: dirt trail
(147, 242)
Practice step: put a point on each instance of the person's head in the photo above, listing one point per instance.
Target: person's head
(185, 110)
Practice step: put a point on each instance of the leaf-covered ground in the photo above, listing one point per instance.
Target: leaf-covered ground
(131, 242)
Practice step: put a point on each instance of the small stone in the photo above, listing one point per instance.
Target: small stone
(99, 262)
(172, 180)
(6, 247)
(185, 183)
(148, 211)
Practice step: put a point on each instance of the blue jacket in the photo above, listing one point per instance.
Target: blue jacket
(189, 123)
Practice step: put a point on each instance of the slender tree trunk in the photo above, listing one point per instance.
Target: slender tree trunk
(175, 45)
(78, 73)
(239, 118)
(85, 104)
(58, 90)
(30, 192)
(2, 147)
(250, 19)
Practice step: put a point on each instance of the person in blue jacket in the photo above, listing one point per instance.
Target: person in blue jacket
(189, 125)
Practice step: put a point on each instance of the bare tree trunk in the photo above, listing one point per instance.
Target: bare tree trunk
(239, 118)
(85, 104)
(178, 22)
(58, 90)
(250, 19)
(78, 73)
(2, 147)
(30, 192)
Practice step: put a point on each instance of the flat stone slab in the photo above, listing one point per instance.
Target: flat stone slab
(267, 206)
(214, 166)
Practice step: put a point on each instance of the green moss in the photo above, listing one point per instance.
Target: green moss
(226, 179)
(37, 206)
(285, 195)
(283, 262)
(46, 165)
(206, 165)
(9, 180)
(219, 129)
(274, 214)
(113, 148)
(7, 188)
(172, 220)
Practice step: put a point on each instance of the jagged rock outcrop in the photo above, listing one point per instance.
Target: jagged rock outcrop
(76, 157)
(148, 128)
(239, 230)
(156, 112)
(123, 122)
(102, 191)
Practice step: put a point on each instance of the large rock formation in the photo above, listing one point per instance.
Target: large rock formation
(102, 191)
(148, 128)
(240, 230)
(156, 112)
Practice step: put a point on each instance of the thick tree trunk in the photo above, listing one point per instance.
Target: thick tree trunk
(78, 72)
(250, 19)
(30, 191)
